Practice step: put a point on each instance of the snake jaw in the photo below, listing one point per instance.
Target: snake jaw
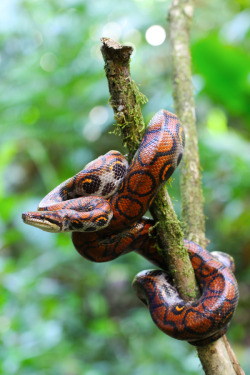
(45, 221)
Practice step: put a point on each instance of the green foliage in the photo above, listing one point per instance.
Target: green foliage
(216, 61)
(60, 314)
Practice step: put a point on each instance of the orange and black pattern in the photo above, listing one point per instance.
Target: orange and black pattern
(154, 162)
(109, 198)
(199, 322)
(101, 177)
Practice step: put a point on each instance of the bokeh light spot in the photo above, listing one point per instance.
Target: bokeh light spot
(91, 133)
(155, 35)
(98, 115)
(48, 62)
(217, 121)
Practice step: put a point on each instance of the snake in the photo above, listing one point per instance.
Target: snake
(103, 206)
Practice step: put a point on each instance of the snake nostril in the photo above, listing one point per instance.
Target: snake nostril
(24, 216)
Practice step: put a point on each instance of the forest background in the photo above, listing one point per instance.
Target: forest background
(59, 313)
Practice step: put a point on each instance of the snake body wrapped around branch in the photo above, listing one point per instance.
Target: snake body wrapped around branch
(103, 207)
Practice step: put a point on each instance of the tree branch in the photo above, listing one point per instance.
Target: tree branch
(216, 358)
(126, 100)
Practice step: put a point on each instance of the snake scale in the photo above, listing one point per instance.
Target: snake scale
(103, 207)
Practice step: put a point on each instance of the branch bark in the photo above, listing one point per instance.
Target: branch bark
(125, 97)
(216, 358)
(125, 101)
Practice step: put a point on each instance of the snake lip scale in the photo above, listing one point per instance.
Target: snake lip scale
(103, 207)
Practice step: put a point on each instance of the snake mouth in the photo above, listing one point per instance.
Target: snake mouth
(42, 221)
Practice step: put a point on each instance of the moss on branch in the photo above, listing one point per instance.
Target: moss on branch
(125, 97)
(125, 101)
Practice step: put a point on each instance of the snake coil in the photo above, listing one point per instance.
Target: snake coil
(103, 207)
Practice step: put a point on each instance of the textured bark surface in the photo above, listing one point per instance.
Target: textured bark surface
(180, 16)
(170, 244)
(125, 97)
(125, 101)
(217, 358)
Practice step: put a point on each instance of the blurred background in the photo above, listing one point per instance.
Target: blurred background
(59, 313)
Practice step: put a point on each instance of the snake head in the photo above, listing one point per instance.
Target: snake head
(84, 214)
(49, 221)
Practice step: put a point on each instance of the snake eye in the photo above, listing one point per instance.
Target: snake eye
(42, 217)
